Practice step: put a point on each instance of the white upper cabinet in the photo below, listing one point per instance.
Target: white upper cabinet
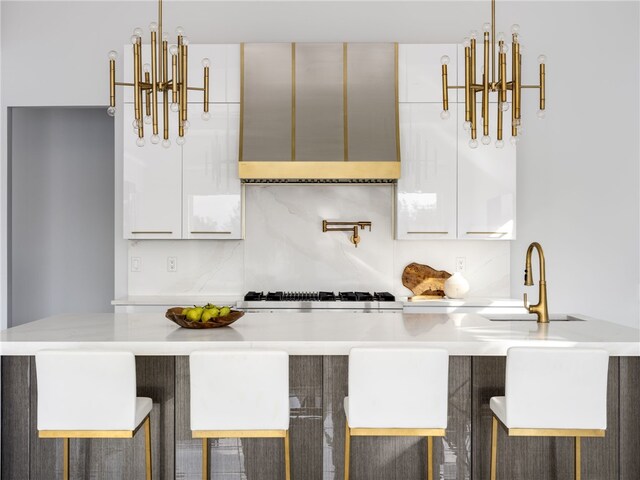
(420, 72)
(224, 73)
(486, 184)
(426, 190)
(212, 192)
(152, 186)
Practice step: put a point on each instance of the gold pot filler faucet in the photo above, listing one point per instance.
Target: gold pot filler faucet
(346, 227)
(540, 309)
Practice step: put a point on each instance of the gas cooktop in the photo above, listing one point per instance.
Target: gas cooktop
(310, 301)
(319, 297)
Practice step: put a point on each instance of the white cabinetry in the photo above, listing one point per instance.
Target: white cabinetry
(152, 186)
(419, 72)
(212, 193)
(447, 189)
(486, 185)
(426, 190)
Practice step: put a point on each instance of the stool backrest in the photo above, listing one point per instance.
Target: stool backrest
(398, 388)
(239, 390)
(561, 388)
(86, 390)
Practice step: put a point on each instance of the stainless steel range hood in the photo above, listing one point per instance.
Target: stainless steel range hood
(319, 113)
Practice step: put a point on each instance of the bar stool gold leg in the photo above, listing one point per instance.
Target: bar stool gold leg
(429, 458)
(65, 458)
(147, 446)
(347, 451)
(205, 459)
(494, 447)
(287, 457)
(577, 459)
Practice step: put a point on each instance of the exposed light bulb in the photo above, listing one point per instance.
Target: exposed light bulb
(445, 114)
(444, 60)
(165, 37)
(501, 36)
(499, 143)
(504, 48)
(542, 58)
(515, 28)
(155, 139)
(515, 140)
(140, 142)
(113, 55)
(185, 40)
(504, 106)
(135, 124)
(179, 31)
(147, 119)
(180, 141)
(541, 114)
(486, 27)
(146, 68)
(173, 50)
(205, 116)
(466, 43)
(153, 27)
(111, 111)
(166, 143)
(486, 139)
(473, 143)
(137, 32)
(466, 126)
(473, 35)
(174, 107)
(186, 125)
(134, 39)
(206, 62)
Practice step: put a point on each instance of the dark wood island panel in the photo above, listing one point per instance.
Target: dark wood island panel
(317, 389)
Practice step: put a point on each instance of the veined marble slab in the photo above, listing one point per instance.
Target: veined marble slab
(315, 333)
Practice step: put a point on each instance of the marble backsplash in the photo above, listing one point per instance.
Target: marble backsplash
(285, 249)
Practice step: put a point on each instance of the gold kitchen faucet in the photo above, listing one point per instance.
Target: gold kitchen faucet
(540, 309)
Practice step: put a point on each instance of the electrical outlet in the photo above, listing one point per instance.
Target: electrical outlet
(136, 264)
(172, 264)
(461, 264)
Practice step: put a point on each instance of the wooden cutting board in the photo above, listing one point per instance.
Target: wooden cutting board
(424, 281)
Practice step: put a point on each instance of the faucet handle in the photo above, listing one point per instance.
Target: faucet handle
(526, 302)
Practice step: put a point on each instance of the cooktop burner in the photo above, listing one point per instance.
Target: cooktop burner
(319, 297)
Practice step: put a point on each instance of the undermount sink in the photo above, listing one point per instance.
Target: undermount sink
(533, 318)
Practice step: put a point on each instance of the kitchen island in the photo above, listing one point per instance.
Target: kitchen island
(319, 344)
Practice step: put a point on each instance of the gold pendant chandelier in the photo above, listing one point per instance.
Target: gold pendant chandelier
(491, 84)
(151, 80)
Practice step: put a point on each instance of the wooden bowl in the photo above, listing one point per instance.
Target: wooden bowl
(175, 315)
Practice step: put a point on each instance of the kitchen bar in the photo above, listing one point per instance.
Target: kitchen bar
(319, 344)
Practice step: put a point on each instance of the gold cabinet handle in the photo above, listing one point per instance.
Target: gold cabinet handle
(150, 232)
(204, 232)
(427, 233)
(487, 233)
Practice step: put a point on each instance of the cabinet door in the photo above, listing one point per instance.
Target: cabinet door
(224, 73)
(486, 184)
(152, 186)
(212, 192)
(420, 72)
(426, 190)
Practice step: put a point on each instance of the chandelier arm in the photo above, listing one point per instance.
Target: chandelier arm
(514, 93)
(542, 86)
(137, 93)
(185, 83)
(112, 83)
(445, 88)
(485, 87)
(206, 89)
(500, 121)
(164, 85)
(174, 79)
(467, 82)
(154, 82)
(147, 95)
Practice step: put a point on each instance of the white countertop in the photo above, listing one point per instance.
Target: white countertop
(464, 302)
(315, 333)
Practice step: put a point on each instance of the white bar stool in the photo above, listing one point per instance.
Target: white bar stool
(552, 392)
(397, 392)
(239, 394)
(90, 394)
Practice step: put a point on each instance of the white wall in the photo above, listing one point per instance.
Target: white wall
(574, 170)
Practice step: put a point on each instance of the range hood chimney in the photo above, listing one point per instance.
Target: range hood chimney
(319, 112)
